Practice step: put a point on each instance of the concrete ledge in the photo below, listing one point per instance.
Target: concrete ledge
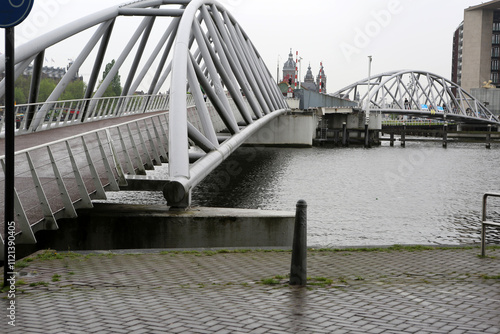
(119, 226)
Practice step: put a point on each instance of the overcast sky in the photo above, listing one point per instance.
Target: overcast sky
(399, 34)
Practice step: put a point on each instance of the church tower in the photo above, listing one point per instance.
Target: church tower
(309, 80)
(289, 70)
(321, 80)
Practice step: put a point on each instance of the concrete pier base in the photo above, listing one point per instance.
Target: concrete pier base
(118, 226)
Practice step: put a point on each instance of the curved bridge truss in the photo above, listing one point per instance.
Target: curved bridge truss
(419, 94)
(202, 51)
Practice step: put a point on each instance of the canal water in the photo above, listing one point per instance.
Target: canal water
(420, 194)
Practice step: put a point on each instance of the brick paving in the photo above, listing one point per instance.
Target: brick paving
(397, 291)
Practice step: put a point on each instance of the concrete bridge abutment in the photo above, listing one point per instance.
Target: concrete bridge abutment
(120, 226)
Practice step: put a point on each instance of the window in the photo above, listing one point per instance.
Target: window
(494, 77)
(495, 65)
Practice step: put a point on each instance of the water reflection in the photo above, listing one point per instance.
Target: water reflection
(420, 194)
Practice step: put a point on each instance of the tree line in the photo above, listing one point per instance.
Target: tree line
(74, 90)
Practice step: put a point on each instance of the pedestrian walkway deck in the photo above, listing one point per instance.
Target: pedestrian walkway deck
(34, 139)
(415, 290)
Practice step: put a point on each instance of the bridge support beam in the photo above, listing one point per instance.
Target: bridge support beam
(445, 135)
(176, 195)
(403, 136)
(345, 134)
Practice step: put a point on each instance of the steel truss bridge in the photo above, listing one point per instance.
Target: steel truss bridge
(419, 94)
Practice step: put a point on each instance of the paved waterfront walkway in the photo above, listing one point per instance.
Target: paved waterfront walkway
(397, 291)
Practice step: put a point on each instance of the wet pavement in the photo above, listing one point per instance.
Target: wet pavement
(395, 290)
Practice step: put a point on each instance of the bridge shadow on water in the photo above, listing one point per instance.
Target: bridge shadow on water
(244, 180)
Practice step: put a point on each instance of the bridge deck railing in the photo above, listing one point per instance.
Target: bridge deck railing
(412, 122)
(69, 112)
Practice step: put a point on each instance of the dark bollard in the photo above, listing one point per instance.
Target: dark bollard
(392, 139)
(367, 136)
(403, 136)
(488, 137)
(445, 135)
(298, 269)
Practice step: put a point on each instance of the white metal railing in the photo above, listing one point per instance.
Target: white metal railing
(412, 122)
(55, 114)
(485, 222)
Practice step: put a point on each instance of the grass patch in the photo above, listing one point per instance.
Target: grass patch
(397, 248)
(20, 282)
(319, 281)
(38, 284)
(269, 281)
(51, 254)
(490, 277)
(22, 264)
(56, 278)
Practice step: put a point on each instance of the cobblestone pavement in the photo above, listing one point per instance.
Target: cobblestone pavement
(350, 291)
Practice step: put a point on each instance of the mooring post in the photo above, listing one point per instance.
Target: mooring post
(403, 136)
(367, 136)
(445, 135)
(392, 139)
(488, 137)
(298, 269)
(344, 134)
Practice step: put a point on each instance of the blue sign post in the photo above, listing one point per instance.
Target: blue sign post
(12, 12)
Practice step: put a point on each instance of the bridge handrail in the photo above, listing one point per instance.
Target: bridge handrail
(69, 112)
(412, 122)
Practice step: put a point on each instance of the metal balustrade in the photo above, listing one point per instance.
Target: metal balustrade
(485, 222)
(412, 122)
(70, 112)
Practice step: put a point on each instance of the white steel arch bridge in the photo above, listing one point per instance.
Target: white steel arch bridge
(202, 51)
(420, 94)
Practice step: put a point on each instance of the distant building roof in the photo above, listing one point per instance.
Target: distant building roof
(492, 5)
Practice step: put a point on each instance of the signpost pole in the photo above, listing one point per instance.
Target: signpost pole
(9, 145)
(11, 15)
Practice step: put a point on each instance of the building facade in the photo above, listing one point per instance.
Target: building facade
(476, 47)
(456, 64)
(476, 54)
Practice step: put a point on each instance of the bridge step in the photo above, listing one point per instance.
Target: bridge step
(143, 183)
